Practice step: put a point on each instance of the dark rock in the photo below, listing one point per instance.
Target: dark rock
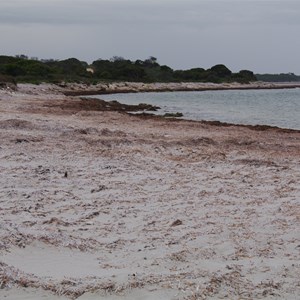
(99, 189)
(173, 115)
(176, 223)
(7, 84)
(18, 141)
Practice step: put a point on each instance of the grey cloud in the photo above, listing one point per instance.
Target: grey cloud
(241, 33)
(189, 13)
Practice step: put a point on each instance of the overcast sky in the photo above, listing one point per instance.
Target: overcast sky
(259, 35)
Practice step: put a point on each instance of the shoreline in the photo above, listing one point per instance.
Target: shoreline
(219, 123)
(135, 87)
(78, 101)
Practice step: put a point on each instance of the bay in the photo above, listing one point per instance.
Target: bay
(251, 107)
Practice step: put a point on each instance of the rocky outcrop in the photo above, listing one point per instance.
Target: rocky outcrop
(8, 86)
(7, 83)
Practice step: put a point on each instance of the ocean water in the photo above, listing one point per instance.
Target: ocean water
(252, 107)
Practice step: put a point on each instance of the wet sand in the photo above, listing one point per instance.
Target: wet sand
(101, 204)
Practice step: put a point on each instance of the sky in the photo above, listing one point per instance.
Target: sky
(258, 35)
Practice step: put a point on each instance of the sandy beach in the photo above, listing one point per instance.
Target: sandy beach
(99, 204)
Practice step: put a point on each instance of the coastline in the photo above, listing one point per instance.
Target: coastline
(127, 88)
(74, 98)
(99, 204)
(136, 87)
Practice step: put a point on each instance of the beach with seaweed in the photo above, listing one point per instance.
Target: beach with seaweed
(96, 203)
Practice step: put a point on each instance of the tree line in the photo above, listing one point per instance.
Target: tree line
(20, 68)
(282, 77)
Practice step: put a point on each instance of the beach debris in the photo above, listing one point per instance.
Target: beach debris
(56, 221)
(19, 141)
(42, 170)
(173, 115)
(92, 215)
(98, 189)
(176, 223)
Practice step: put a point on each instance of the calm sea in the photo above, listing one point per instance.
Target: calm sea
(264, 107)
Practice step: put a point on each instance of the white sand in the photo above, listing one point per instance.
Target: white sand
(106, 228)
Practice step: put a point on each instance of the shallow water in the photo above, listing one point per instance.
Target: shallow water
(264, 107)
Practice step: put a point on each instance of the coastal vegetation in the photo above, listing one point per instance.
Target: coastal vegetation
(282, 77)
(23, 69)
